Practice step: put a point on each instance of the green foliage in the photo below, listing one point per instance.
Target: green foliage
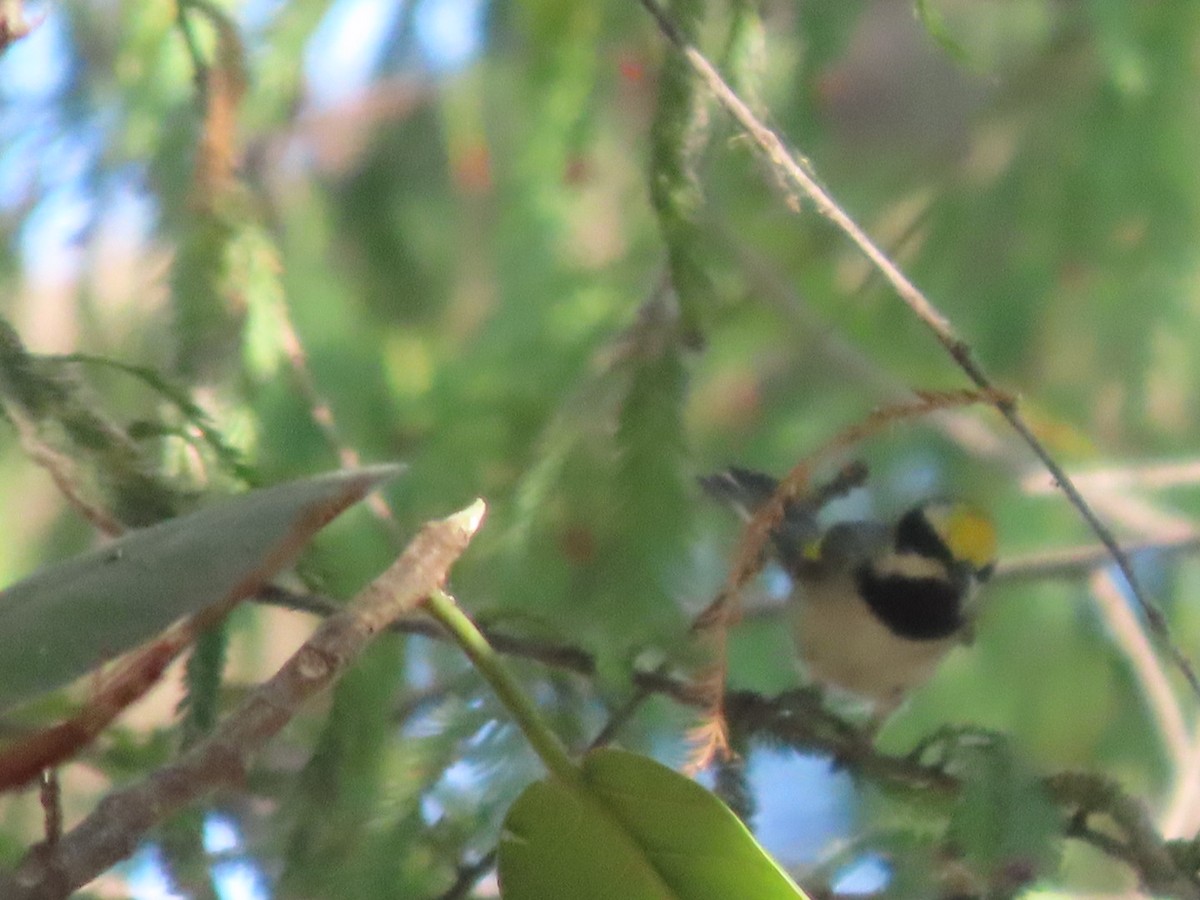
(557, 278)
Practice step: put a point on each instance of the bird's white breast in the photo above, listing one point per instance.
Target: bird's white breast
(844, 645)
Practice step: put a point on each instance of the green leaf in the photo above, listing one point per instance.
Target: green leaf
(67, 619)
(631, 828)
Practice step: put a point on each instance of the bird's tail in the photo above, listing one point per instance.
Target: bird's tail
(741, 490)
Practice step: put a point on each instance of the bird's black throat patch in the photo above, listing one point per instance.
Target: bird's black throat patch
(920, 609)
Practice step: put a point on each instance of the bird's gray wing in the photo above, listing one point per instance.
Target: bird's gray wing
(847, 544)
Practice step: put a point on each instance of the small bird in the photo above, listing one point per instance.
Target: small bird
(875, 607)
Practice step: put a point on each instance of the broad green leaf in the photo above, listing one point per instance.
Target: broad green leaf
(633, 829)
(67, 619)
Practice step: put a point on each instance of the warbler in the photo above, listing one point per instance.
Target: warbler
(874, 606)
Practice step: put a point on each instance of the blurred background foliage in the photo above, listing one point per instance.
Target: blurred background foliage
(444, 232)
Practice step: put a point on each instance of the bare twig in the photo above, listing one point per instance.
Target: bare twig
(113, 830)
(618, 718)
(798, 176)
(1074, 562)
(549, 653)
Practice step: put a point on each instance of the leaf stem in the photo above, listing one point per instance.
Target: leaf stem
(545, 742)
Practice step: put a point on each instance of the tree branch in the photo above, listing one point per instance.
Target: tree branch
(799, 721)
(549, 653)
(118, 823)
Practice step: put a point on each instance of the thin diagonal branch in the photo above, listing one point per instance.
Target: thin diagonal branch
(796, 175)
(117, 825)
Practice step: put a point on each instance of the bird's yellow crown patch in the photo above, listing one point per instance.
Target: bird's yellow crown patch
(970, 535)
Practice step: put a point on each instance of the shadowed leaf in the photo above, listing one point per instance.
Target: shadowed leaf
(66, 620)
